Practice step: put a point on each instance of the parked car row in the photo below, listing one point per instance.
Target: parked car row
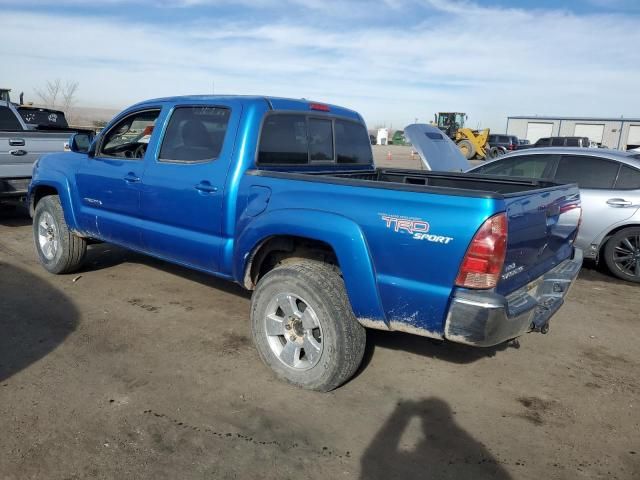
(502, 143)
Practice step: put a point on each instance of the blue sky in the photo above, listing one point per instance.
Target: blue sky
(393, 60)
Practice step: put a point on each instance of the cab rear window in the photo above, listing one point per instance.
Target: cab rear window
(42, 117)
(299, 139)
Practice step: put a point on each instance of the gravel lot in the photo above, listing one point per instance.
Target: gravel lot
(134, 368)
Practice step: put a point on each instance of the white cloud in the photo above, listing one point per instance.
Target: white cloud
(488, 62)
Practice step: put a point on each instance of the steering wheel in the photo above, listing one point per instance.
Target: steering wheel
(140, 150)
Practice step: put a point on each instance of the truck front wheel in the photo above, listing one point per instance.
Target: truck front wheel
(59, 249)
(303, 325)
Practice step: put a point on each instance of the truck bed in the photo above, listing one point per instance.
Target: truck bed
(421, 181)
(542, 215)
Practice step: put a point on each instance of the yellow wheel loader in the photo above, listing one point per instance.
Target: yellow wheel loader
(472, 143)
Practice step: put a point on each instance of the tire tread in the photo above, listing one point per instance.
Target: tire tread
(73, 247)
(326, 279)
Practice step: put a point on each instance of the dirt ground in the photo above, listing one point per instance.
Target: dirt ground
(134, 368)
(398, 156)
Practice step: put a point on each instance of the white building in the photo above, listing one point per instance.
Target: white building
(620, 133)
(383, 136)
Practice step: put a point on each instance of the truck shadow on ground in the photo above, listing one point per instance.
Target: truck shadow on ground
(14, 216)
(437, 448)
(35, 318)
(598, 272)
(104, 255)
(429, 347)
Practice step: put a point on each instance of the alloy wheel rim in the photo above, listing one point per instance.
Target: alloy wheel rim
(626, 255)
(293, 331)
(48, 237)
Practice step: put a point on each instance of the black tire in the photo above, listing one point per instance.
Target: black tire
(342, 338)
(467, 148)
(616, 249)
(70, 251)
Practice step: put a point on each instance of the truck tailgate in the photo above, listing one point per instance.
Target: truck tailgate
(542, 227)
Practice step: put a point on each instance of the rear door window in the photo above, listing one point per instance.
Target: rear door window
(628, 178)
(531, 166)
(284, 140)
(573, 142)
(557, 142)
(195, 134)
(499, 167)
(586, 171)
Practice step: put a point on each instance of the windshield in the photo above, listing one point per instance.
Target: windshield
(446, 119)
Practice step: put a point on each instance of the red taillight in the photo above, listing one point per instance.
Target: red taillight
(321, 107)
(511, 146)
(482, 264)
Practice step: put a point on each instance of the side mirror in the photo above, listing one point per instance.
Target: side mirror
(80, 142)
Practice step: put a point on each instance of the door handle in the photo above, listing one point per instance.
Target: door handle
(16, 142)
(18, 153)
(619, 202)
(131, 178)
(206, 187)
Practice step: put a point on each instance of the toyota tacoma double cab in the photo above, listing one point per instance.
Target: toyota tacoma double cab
(282, 197)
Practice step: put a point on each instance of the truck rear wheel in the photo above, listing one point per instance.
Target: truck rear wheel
(304, 328)
(59, 249)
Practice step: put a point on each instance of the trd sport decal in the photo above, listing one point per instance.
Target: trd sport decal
(416, 227)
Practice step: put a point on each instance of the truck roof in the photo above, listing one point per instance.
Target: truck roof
(275, 103)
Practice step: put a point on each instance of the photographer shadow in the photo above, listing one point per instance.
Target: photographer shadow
(35, 319)
(444, 449)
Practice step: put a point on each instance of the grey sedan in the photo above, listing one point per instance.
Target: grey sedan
(609, 182)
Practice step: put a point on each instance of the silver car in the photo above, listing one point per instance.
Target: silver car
(609, 182)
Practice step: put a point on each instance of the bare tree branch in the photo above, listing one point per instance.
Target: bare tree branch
(49, 94)
(58, 96)
(68, 95)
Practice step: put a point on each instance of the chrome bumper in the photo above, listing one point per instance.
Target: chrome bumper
(485, 318)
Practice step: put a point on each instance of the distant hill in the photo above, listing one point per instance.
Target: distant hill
(90, 116)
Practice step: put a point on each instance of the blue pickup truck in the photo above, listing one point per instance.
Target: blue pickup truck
(282, 197)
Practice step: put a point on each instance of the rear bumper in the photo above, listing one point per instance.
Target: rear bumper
(485, 318)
